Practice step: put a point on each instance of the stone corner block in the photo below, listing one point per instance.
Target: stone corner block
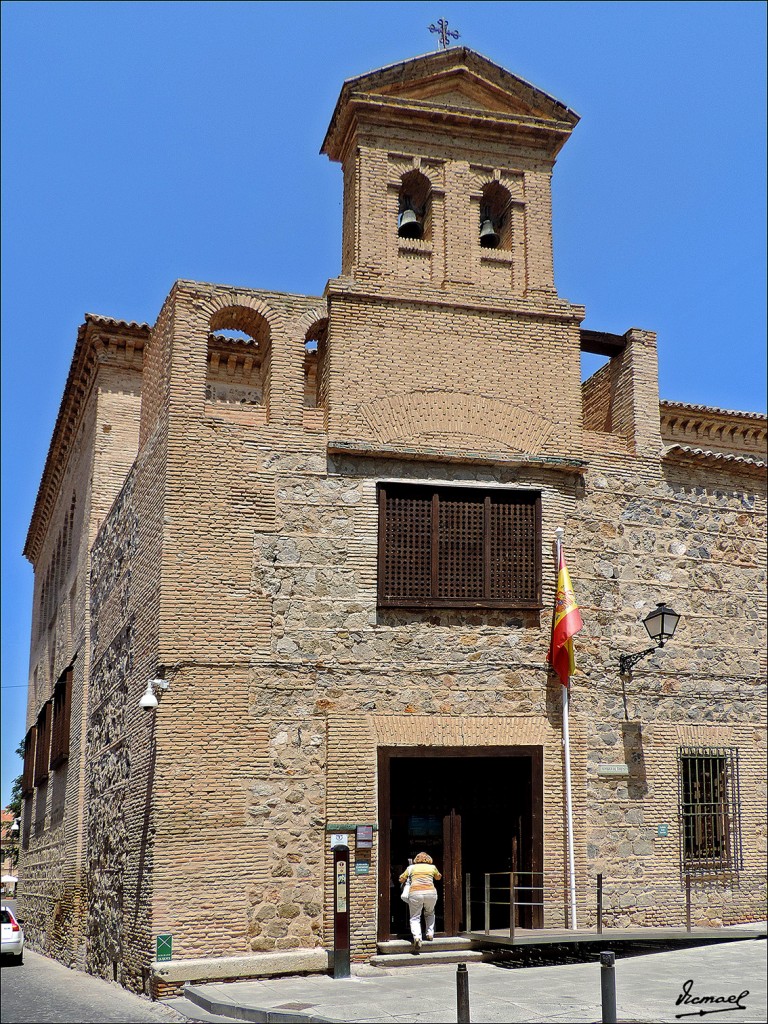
(294, 961)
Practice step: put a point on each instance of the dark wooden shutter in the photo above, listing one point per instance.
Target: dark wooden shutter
(62, 701)
(514, 549)
(405, 540)
(43, 743)
(459, 547)
(460, 528)
(28, 775)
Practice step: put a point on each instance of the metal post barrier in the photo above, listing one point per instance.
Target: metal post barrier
(467, 904)
(487, 904)
(462, 994)
(512, 881)
(608, 987)
(600, 904)
(688, 901)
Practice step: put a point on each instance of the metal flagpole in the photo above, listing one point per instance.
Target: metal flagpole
(567, 756)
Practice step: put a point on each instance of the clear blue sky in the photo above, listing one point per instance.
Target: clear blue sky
(145, 142)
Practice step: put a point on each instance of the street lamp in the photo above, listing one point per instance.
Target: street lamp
(661, 624)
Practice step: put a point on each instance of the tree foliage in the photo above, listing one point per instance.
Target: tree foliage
(14, 804)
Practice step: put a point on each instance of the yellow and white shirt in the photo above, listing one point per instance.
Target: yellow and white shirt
(423, 877)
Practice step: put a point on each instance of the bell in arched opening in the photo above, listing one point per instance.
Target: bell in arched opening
(489, 237)
(409, 225)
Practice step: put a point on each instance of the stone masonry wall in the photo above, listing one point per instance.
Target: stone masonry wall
(52, 880)
(240, 560)
(125, 584)
(322, 671)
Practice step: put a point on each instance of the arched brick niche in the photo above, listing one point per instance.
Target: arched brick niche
(239, 359)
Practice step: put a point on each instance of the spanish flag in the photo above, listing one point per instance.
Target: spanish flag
(565, 623)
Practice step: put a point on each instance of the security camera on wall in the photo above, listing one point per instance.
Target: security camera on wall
(149, 701)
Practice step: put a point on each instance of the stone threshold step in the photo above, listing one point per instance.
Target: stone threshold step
(404, 946)
(423, 958)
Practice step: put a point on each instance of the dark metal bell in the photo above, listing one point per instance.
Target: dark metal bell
(489, 239)
(408, 225)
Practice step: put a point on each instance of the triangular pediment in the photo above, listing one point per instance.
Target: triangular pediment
(460, 87)
(457, 79)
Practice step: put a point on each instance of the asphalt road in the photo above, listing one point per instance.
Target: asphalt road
(44, 990)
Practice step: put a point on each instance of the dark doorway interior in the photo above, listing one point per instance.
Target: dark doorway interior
(464, 810)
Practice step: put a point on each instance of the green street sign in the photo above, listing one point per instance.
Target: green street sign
(164, 947)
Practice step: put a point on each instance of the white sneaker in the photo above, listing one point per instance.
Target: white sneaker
(416, 945)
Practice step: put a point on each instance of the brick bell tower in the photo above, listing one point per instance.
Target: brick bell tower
(446, 330)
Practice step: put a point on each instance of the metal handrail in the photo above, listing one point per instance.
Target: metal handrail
(512, 888)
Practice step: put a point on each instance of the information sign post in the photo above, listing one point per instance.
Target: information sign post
(341, 912)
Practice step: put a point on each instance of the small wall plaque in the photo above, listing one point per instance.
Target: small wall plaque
(364, 837)
(339, 839)
(164, 947)
(362, 867)
(662, 830)
(613, 770)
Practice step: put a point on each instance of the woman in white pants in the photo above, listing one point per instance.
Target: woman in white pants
(422, 875)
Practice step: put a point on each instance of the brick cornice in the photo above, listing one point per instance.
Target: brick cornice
(362, 108)
(683, 453)
(424, 453)
(542, 307)
(94, 336)
(699, 428)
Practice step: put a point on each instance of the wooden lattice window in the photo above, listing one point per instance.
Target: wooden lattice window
(459, 547)
(62, 701)
(43, 743)
(710, 827)
(28, 774)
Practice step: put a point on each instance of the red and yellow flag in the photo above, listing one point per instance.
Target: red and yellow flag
(566, 622)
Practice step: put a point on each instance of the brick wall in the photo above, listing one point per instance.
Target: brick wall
(229, 540)
(100, 444)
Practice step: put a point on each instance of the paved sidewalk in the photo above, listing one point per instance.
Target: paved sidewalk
(647, 990)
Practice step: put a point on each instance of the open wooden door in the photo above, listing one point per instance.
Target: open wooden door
(464, 807)
(453, 889)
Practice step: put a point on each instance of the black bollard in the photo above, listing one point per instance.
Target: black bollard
(608, 987)
(600, 904)
(462, 994)
(687, 901)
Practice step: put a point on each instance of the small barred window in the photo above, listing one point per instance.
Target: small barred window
(710, 826)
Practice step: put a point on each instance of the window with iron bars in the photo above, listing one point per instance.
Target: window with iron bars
(710, 810)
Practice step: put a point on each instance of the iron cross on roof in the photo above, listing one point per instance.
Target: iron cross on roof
(445, 33)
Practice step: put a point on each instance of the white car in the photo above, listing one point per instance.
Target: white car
(12, 936)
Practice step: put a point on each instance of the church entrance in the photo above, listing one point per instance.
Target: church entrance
(467, 808)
